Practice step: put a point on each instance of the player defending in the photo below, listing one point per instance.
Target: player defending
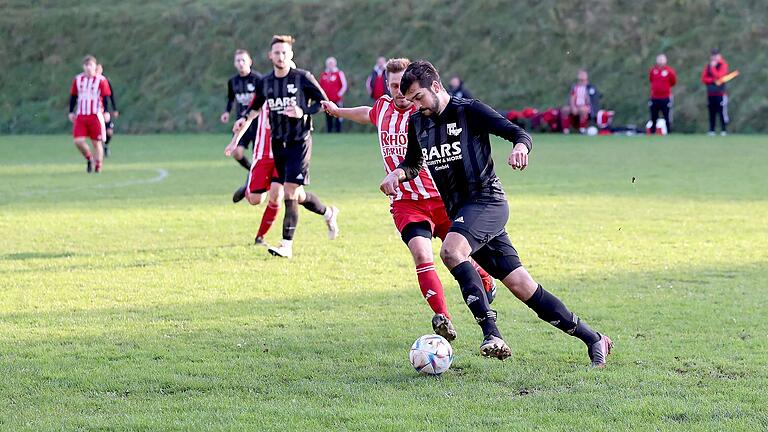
(292, 95)
(110, 115)
(240, 90)
(416, 208)
(88, 97)
(451, 136)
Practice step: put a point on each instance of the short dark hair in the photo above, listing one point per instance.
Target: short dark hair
(282, 39)
(420, 71)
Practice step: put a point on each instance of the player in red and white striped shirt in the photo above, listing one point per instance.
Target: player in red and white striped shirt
(417, 209)
(263, 174)
(88, 97)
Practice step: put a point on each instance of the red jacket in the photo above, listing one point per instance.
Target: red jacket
(334, 84)
(711, 74)
(662, 79)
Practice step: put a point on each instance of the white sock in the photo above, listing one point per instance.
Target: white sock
(287, 243)
(328, 212)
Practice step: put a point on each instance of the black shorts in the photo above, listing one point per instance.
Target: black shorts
(249, 136)
(482, 224)
(292, 161)
(109, 124)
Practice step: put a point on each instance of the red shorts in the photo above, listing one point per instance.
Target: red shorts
(91, 126)
(430, 210)
(262, 173)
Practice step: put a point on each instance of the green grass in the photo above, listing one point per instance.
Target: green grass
(143, 306)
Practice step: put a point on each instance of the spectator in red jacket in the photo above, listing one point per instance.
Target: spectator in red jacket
(334, 84)
(377, 80)
(662, 78)
(717, 98)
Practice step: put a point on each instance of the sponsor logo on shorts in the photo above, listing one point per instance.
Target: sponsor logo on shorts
(471, 299)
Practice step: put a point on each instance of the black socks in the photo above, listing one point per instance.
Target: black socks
(474, 295)
(313, 204)
(244, 162)
(291, 218)
(549, 308)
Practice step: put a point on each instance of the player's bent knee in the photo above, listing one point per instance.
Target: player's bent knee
(254, 198)
(451, 257)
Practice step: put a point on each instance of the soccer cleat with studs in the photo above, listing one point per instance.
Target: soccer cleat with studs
(442, 326)
(598, 351)
(494, 346)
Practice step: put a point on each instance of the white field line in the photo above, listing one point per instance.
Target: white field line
(162, 174)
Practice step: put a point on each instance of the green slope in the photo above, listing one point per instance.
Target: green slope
(169, 60)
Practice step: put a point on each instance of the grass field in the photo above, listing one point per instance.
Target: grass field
(135, 300)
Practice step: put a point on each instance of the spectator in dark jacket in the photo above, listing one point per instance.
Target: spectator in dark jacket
(456, 88)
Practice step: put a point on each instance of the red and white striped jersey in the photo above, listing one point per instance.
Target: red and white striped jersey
(580, 95)
(89, 91)
(262, 144)
(392, 125)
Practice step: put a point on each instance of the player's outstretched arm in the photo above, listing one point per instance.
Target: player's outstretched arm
(239, 129)
(358, 114)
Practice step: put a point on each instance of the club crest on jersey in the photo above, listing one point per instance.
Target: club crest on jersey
(250, 87)
(291, 88)
(453, 130)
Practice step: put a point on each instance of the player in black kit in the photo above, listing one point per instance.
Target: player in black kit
(451, 136)
(240, 90)
(292, 95)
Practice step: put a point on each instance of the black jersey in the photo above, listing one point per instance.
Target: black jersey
(240, 91)
(456, 148)
(298, 88)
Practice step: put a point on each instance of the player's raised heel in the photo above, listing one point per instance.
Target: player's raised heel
(332, 222)
(239, 194)
(259, 241)
(598, 351)
(283, 250)
(495, 347)
(490, 292)
(444, 327)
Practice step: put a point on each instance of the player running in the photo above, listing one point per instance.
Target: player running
(451, 136)
(262, 176)
(416, 208)
(109, 115)
(292, 95)
(88, 97)
(240, 90)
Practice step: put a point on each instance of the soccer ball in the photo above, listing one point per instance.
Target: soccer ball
(431, 354)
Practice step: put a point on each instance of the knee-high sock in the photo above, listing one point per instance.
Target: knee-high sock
(549, 308)
(484, 276)
(291, 219)
(244, 162)
(474, 295)
(432, 288)
(313, 204)
(270, 213)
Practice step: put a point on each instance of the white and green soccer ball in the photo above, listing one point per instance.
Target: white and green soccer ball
(431, 354)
